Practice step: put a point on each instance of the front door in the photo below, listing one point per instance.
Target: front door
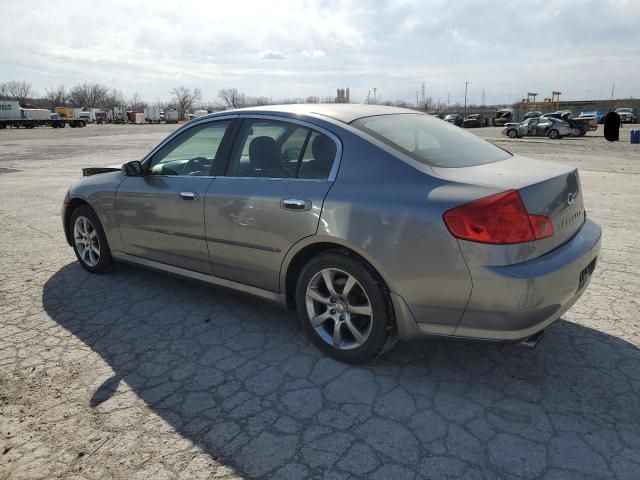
(161, 213)
(278, 176)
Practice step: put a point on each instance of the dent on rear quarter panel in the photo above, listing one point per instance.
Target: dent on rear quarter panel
(393, 214)
(99, 191)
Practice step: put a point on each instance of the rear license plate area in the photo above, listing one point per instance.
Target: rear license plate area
(585, 274)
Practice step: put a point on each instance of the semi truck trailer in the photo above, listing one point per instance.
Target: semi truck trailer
(12, 114)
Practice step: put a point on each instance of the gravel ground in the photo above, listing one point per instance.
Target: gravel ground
(138, 375)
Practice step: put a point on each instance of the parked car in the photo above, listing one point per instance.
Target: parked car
(455, 118)
(579, 126)
(532, 114)
(503, 116)
(627, 115)
(475, 120)
(599, 116)
(539, 127)
(372, 222)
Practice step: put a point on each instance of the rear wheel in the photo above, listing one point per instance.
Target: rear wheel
(344, 308)
(89, 240)
(512, 133)
(553, 134)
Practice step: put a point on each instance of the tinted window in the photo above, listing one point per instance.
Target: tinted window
(273, 149)
(193, 152)
(430, 141)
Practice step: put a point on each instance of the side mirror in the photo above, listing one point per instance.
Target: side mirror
(132, 169)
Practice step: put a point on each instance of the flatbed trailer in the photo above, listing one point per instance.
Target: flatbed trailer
(53, 123)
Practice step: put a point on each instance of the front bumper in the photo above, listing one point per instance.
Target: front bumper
(514, 301)
(510, 303)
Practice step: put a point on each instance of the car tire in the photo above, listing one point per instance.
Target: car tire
(553, 134)
(512, 133)
(89, 240)
(322, 306)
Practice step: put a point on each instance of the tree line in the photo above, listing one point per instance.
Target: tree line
(97, 95)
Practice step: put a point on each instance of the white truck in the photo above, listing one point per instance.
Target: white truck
(152, 114)
(119, 115)
(171, 115)
(12, 114)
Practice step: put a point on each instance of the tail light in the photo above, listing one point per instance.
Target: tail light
(499, 219)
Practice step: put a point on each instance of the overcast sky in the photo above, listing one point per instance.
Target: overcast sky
(299, 48)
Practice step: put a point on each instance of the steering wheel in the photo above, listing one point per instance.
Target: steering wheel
(199, 165)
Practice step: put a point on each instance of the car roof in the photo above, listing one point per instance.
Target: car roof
(342, 112)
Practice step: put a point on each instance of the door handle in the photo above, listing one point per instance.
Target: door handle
(188, 196)
(295, 204)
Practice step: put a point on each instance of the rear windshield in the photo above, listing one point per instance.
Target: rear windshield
(431, 141)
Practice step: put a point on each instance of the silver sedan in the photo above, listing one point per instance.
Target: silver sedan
(373, 223)
(538, 127)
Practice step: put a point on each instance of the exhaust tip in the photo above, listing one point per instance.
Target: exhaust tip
(532, 341)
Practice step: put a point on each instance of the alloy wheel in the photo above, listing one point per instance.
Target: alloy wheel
(339, 309)
(86, 241)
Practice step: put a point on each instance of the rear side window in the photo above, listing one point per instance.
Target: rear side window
(431, 141)
(275, 149)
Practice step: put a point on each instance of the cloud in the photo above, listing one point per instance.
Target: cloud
(505, 48)
(314, 53)
(271, 55)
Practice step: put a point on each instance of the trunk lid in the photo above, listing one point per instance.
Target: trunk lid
(546, 188)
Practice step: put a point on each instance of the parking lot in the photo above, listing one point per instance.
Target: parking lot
(139, 375)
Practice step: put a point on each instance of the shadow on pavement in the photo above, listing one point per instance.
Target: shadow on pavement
(237, 377)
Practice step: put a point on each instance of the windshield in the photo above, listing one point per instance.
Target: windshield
(430, 141)
(623, 109)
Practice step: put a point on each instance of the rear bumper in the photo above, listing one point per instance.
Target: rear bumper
(510, 303)
(515, 301)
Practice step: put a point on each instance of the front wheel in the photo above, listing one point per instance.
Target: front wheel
(89, 240)
(512, 133)
(344, 308)
(553, 134)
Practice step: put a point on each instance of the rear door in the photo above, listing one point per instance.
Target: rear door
(161, 213)
(278, 175)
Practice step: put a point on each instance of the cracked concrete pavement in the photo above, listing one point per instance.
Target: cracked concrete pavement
(137, 375)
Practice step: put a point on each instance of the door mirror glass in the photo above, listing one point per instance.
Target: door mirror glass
(132, 169)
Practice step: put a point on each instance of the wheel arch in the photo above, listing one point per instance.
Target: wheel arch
(303, 251)
(72, 205)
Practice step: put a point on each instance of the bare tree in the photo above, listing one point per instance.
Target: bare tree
(4, 91)
(312, 99)
(231, 97)
(136, 103)
(19, 90)
(184, 99)
(262, 101)
(115, 98)
(89, 95)
(56, 96)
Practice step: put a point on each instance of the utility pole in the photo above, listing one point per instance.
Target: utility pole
(483, 98)
(375, 95)
(417, 101)
(423, 98)
(613, 89)
(448, 101)
(466, 88)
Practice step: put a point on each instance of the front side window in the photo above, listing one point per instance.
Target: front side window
(430, 141)
(193, 152)
(275, 149)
